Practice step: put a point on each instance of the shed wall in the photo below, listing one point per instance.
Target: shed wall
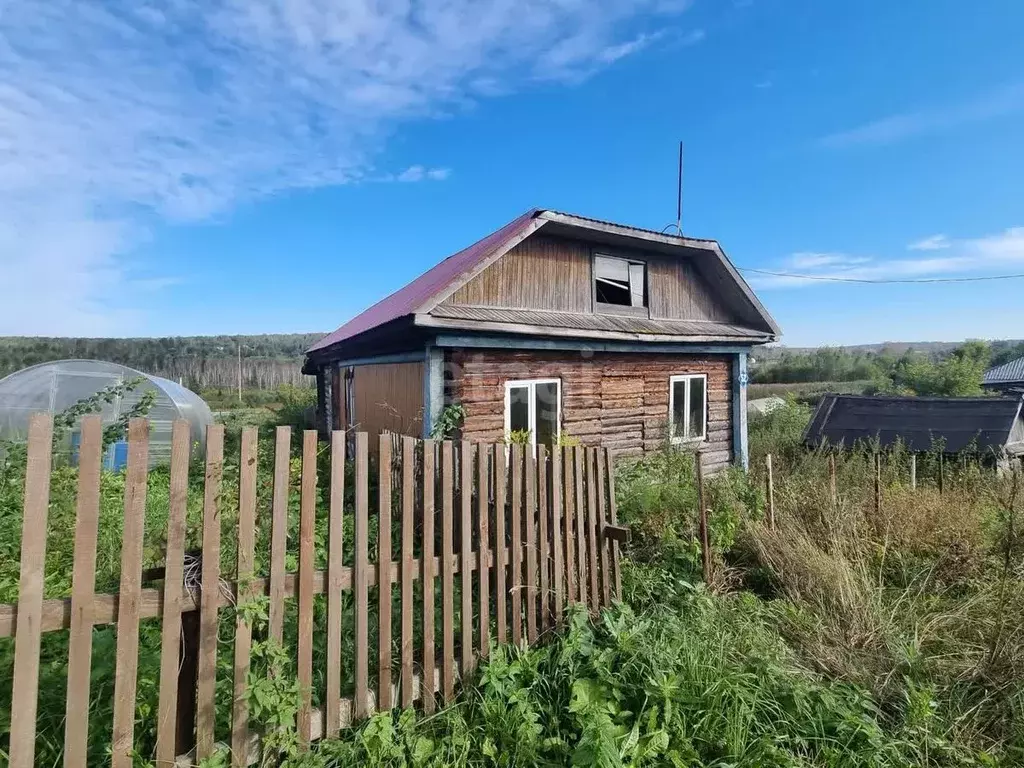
(617, 400)
(384, 397)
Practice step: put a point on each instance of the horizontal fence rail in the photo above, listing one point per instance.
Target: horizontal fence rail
(384, 581)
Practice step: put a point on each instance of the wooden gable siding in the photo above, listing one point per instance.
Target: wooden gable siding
(384, 397)
(616, 400)
(539, 273)
(677, 292)
(555, 274)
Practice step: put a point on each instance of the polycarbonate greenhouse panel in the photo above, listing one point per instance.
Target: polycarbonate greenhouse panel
(54, 387)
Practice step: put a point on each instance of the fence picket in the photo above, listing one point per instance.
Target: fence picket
(361, 567)
(500, 561)
(170, 643)
(384, 573)
(447, 576)
(616, 572)
(531, 547)
(83, 580)
(307, 526)
(542, 518)
(427, 683)
(408, 502)
(568, 518)
(595, 593)
(127, 661)
(517, 544)
(335, 544)
(602, 515)
(581, 524)
(244, 570)
(556, 528)
(279, 530)
(24, 698)
(466, 548)
(484, 547)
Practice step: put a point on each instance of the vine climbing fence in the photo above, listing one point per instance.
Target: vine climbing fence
(406, 567)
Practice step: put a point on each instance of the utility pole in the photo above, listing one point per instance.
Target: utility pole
(239, 372)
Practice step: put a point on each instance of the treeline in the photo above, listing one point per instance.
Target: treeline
(200, 362)
(956, 372)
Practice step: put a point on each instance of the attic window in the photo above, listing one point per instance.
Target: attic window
(620, 282)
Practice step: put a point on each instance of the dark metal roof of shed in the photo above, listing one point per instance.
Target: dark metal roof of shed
(986, 423)
(1007, 373)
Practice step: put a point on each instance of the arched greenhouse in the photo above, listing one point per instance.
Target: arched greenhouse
(56, 386)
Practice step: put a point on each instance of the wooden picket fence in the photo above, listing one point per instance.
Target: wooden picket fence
(527, 535)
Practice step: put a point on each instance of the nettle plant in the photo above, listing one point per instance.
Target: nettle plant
(449, 422)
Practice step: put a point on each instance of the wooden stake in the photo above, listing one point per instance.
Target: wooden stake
(705, 543)
(878, 483)
(834, 495)
(770, 483)
(913, 471)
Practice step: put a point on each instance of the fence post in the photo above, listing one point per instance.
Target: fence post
(770, 483)
(702, 517)
(913, 471)
(833, 493)
(878, 483)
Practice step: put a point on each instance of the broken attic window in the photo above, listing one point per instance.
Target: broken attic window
(620, 282)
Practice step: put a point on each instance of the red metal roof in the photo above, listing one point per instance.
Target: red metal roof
(406, 300)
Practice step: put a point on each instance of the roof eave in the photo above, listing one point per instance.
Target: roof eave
(516, 329)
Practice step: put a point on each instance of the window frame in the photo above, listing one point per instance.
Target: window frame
(620, 309)
(685, 438)
(531, 417)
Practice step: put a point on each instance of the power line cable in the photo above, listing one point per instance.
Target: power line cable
(881, 281)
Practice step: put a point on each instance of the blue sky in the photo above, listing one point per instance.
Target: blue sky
(250, 166)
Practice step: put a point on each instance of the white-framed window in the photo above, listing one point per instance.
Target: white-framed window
(534, 406)
(620, 282)
(688, 407)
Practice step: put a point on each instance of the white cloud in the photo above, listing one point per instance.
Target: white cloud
(933, 243)
(114, 114)
(615, 52)
(970, 257)
(421, 173)
(816, 260)
(990, 105)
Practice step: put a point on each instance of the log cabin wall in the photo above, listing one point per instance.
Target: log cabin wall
(556, 274)
(387, 396)
(619, 400)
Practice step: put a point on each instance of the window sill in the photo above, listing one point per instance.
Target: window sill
(690, 443)
(620, 309)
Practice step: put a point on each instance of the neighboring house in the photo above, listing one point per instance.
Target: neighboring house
(557, 325)
(1007, 378)
(988, 425)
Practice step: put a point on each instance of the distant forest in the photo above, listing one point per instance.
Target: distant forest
(200, 362)
(926, 369)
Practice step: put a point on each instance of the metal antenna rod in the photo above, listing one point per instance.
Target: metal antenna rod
(679, 194)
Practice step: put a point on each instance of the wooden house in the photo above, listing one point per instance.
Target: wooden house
(553, 326)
